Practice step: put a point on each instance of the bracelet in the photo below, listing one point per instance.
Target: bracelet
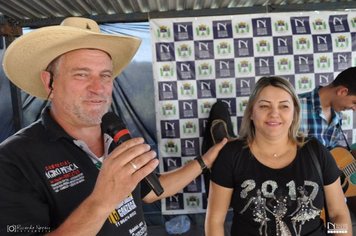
(202, 164)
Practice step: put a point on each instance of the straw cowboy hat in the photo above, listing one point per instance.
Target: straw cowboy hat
(31, 53)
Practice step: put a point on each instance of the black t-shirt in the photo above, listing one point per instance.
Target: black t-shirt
(44, 176)
(270, 201)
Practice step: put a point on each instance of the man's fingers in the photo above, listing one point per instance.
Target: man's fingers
(145, 170)
(140, 161)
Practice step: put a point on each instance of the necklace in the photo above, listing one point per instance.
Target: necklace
(275, 155)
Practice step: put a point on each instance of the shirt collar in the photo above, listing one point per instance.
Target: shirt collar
(53, 128)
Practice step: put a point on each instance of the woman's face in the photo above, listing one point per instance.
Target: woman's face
(272, 113)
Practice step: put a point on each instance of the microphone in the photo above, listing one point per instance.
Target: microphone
(115, 127)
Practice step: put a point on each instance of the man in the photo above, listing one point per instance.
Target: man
(321, 117)
(321, 108)
(57, 175)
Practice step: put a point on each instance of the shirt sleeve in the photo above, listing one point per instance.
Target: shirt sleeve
(222, 171)
(328, 164)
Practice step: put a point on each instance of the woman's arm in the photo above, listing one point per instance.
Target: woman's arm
(218, 205)
(339, 214)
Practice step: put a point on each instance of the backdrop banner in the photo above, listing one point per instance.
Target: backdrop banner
(200, 60)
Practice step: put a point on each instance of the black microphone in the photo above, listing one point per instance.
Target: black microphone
(115, 127)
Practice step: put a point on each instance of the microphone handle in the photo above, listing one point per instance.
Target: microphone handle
(151, 179)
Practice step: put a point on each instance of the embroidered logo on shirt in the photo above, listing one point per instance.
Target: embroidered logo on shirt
(63, 175)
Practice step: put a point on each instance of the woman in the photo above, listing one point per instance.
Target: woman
(268, 177)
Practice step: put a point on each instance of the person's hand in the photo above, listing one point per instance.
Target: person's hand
(122, 170)
(210, 156)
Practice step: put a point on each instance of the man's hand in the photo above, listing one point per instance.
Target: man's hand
(122, 170)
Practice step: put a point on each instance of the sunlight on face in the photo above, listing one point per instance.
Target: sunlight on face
(83, 87)
(272, 113)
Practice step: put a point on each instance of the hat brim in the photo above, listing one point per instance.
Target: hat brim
(30, 54)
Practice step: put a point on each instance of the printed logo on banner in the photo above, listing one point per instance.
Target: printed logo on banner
(187, 89)
(165, 52)
(222, 29)
(202, 125)
(263, 46)
(303, 64)
(341, 42)
(244, 86)
(171, 163)
(300, 25)
(353, 39)
(338, 23)
(244, 67)
(203, 30)
(166, 70)
(242, 28)
(284, 65)
(175, 202)
(243, 47)
(192, 200)
(183, 31)
(171, 147)
(206, 89)
(188, 109)
(283, 45)
(262, 26)
(241, 105)
(319, 25)
(163, 32)
(353, 22)
(167, 90)
(322, 43)
(204, 49)
(184, 51)
(205, 69)
(231, 105)
(322, 62)
(224, 68)
(342, 61)
(168, 109)
(304, 83)
(223, 48)
(205, 106)
(194, 187)
(170, 129)
(302, 44)
(186, 70)
(190, 147)
(189, 128)
(281, 26)
(264, 66)
(323, 79)
(226, 88)
(290, 78)
(347, 119)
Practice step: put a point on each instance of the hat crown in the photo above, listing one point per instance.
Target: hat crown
(81, 23)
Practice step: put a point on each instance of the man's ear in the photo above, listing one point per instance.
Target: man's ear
(47, 81)
(342, 91)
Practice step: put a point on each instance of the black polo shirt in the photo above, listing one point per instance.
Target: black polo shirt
(44, 176)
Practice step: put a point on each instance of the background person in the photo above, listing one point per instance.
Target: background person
(270, 169)
(321, 117)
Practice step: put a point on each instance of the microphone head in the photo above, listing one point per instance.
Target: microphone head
(111, 124)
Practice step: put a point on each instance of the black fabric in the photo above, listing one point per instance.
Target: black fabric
(218, 112)
(44, 176)
(254, 183)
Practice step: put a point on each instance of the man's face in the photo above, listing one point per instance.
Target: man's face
(344, 101)
(82, 87)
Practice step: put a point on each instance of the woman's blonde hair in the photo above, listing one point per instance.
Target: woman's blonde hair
(247, 128)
